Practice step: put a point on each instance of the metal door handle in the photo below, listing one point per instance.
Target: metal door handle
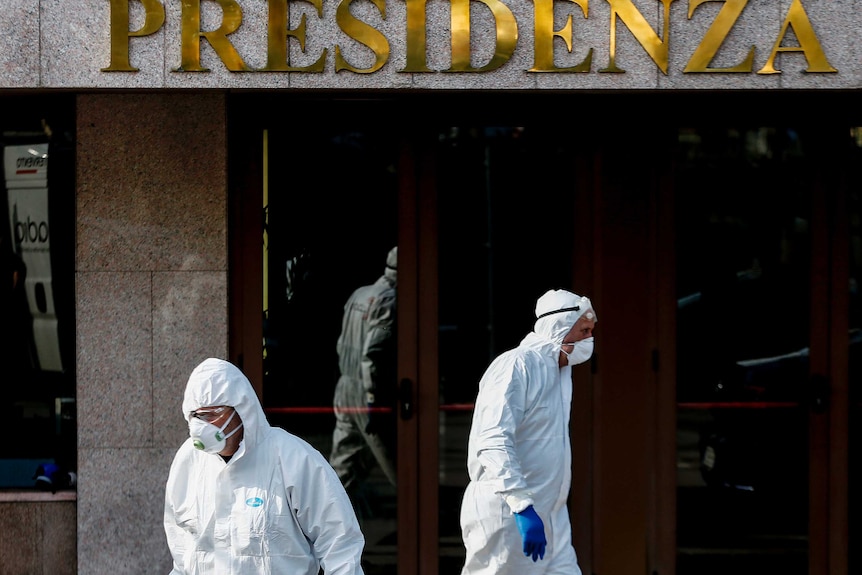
(405, 398)
(818, 390)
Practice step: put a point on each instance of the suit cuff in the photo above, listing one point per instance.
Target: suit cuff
(519, 500)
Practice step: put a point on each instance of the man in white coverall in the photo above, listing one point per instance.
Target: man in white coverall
(514, 518)
(364, 433)
(246, 498)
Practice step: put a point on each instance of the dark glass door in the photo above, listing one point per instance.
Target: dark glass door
(330, 209)
(851, 217)
(752, 331)
(506, 235)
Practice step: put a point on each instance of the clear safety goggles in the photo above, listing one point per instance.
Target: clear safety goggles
(209, 414)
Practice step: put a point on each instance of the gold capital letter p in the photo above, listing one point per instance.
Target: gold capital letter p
(120, 33)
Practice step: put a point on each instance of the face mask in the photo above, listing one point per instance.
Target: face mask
(581, 352)
(208, 437)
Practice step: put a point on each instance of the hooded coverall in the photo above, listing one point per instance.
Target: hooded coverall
(276, 507)
(519, 455)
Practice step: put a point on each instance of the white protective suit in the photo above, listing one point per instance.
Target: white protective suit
(519, 452)
(276, 507)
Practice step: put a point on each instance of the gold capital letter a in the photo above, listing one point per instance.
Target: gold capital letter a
(120, 34)
(507, 35)
(808, 42)
(191, 37)
(645, 35)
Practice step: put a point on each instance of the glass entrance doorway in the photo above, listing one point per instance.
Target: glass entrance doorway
(726, 464)
(500, 236)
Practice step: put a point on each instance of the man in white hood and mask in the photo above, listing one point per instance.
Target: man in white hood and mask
(514, 518)
(246, 498)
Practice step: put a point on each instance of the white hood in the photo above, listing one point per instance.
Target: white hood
(557, 311)
(218, 382)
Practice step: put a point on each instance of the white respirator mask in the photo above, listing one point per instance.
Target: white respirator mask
(208, 437)
(581, 352)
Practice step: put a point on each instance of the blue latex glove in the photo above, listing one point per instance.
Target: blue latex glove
(532, 532)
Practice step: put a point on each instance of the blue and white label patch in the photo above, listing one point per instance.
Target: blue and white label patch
(254, 501)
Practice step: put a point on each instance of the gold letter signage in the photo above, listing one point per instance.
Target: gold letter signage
(191, 37)
(507, 35)
(637, 24)
(543, 43)
(278, 33)
(808, 42)
(715, 36)
(120, 33)
(363, 33)
(796, 35)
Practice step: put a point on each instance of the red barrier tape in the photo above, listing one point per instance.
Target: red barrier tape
(739, 405)
(281, 410)
(325, 409)
(470, 406)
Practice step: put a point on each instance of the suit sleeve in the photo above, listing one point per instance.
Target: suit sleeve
(326, 516)
(499, 411)
(379, 354)
(178, 539)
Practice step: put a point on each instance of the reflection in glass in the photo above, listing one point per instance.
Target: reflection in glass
(365, 396)
(330, 212)
(743, 268)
